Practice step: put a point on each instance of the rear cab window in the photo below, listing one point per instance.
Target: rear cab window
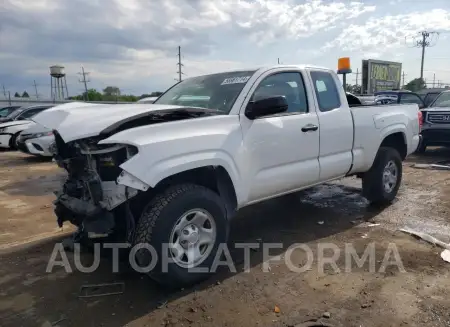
(326, 90)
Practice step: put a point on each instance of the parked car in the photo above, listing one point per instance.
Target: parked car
(399, 97)
(436, 123)
(19, 120)
(166, 174)
(36, 139)
(5, 111)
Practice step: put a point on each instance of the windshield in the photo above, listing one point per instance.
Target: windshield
(4, 112)
(429, 98)
(443, 100)
(216, 91)
(15, 113)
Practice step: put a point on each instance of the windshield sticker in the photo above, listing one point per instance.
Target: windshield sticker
(235, 80)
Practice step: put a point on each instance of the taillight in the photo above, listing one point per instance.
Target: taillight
(420, 118)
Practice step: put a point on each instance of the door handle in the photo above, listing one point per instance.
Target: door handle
(309, 128)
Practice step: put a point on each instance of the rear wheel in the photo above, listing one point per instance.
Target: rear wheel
(185, 225)
(382, 181)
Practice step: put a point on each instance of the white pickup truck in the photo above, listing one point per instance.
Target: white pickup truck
(175, 172)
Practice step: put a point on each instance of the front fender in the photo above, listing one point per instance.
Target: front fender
(159, 170)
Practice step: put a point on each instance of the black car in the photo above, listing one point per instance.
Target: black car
(22, 113)
(429, 97)
(399, 97)
(436, 123)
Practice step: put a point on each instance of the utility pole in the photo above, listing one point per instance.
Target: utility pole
(35, 89)
(357, 74)
(434, 79)
(403, 76)
(424, 43)
(4, 91)
(278, 61)
(84, 81)
(179, 64)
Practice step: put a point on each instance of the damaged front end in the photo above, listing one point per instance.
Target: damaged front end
(92, 198)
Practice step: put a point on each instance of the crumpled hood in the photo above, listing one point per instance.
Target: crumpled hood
(15, 123)
(37, 128)
(87, 120)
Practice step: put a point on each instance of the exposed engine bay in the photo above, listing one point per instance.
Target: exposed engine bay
(91, 192)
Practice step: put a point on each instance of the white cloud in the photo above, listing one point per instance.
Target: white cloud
(383, 34)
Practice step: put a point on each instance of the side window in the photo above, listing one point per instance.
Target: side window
(411, 98)
(289, 85)
(326, 91)
(30, 113)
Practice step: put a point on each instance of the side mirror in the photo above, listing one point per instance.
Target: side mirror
(266, 106)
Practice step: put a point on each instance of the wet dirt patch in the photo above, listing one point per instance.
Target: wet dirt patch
(360, 297)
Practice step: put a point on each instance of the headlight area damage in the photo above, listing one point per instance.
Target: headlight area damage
(96, 187)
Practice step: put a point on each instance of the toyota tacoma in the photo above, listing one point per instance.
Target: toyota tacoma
(173, 173)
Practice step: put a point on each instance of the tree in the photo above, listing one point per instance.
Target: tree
(156, 94)
(111, 91)
(17, 95)
(416, 84)
(353, 88)
(25, 94)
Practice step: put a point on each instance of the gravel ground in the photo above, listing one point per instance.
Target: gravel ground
(333, 213)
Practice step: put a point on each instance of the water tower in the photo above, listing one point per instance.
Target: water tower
(58, 83)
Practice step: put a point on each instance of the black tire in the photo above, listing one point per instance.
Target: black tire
(156, 224)
(422, 147)
(373, 188)
(12, 141)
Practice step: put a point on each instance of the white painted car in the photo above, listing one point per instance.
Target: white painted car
(37, 139)
(9, 131)
(164, 173)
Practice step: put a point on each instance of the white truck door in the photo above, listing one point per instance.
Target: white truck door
(280, 156)
(336, 125)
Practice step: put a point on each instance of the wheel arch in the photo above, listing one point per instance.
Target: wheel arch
(214, 177)
(397, 141)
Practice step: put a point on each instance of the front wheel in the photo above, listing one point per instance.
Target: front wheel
(13, 141)
(185, 225)
(382, 181)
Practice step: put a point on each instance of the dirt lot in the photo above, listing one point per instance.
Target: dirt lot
(332, 213)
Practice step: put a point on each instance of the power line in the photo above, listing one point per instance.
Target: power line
(35, 89)
(426, 40)
(357, 74)
(84, 81)
(179, 64)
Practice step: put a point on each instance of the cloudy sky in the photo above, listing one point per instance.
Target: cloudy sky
(133, 44)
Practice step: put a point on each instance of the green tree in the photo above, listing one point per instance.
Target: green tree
(94, 95)
(25, 94)
(156, 94)
(111, 90)
(17, 95)
(416, 84)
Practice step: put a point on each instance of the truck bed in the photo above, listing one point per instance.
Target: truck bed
(386, 118)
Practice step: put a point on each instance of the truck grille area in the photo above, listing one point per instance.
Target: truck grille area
(439, 118)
